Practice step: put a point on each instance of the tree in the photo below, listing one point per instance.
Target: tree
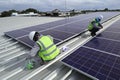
(30, 10)
(96, 10)
(106, 9)
(5, 14)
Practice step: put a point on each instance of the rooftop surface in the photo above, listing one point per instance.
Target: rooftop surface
(13, 59)
(10, 52)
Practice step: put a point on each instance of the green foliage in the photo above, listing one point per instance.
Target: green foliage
(106, 9)
(7, 13)
(30, 10)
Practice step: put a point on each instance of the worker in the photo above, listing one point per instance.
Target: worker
(43, 51)
(95, 25)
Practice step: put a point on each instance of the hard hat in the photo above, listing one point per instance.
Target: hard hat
(101, 17)
(31, 35)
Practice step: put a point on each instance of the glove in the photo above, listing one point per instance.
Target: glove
(30, 65)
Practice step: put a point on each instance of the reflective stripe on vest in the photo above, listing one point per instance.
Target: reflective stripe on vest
(48, 48)
(42, 45)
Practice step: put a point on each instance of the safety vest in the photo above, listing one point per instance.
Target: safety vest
(48, 49)
(90, 26)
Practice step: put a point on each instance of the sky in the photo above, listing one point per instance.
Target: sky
(48, 5)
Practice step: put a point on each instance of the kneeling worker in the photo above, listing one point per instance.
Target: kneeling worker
(44, 48)
(95, 25)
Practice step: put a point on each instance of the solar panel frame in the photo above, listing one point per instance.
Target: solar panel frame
(105, 63)
(13, 34)
(33, 29)
(104, 45)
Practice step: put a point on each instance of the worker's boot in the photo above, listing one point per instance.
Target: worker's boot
(93, 34)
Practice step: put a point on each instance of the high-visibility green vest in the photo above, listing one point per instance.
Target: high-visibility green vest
(48, 49)
(90, 26)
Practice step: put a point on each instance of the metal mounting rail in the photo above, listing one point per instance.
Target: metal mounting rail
(66, 75)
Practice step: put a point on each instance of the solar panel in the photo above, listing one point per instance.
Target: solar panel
(111, 29)
(16, 33)
(63, 29)
(57, 34)
(110, 35)
(105, 45)
(116, 25)
(25, 40)
(97, 64)
(69, 29)
(35, 28)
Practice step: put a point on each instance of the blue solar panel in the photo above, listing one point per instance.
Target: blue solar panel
(110, 35)
(63, 29)
(105, 45)
(94, 63)
(116, 24)
(16, 33)
(35, 28)
(111, 29)
(70, 29)
(57, 34)
(114, 27)
(25, 40)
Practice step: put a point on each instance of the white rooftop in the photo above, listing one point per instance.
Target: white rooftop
(13, 23)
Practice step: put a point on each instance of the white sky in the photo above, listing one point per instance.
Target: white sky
(47, 5)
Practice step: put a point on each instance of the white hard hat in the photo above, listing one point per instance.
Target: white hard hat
(31, 35)
(101, 17)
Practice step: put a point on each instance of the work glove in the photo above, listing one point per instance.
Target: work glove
(30, 65)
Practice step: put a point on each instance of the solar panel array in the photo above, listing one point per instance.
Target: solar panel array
(100, 57)
(60, 30)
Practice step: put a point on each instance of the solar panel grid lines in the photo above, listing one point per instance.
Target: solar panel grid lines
(63, 31)
(98, 64)
(112, 32)
(108, 39)
(102, 51)
(105, 45)
(101, 70)
(116, 25)
(113, 29)
(16, 33)
(111, 68)
(57, 34)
